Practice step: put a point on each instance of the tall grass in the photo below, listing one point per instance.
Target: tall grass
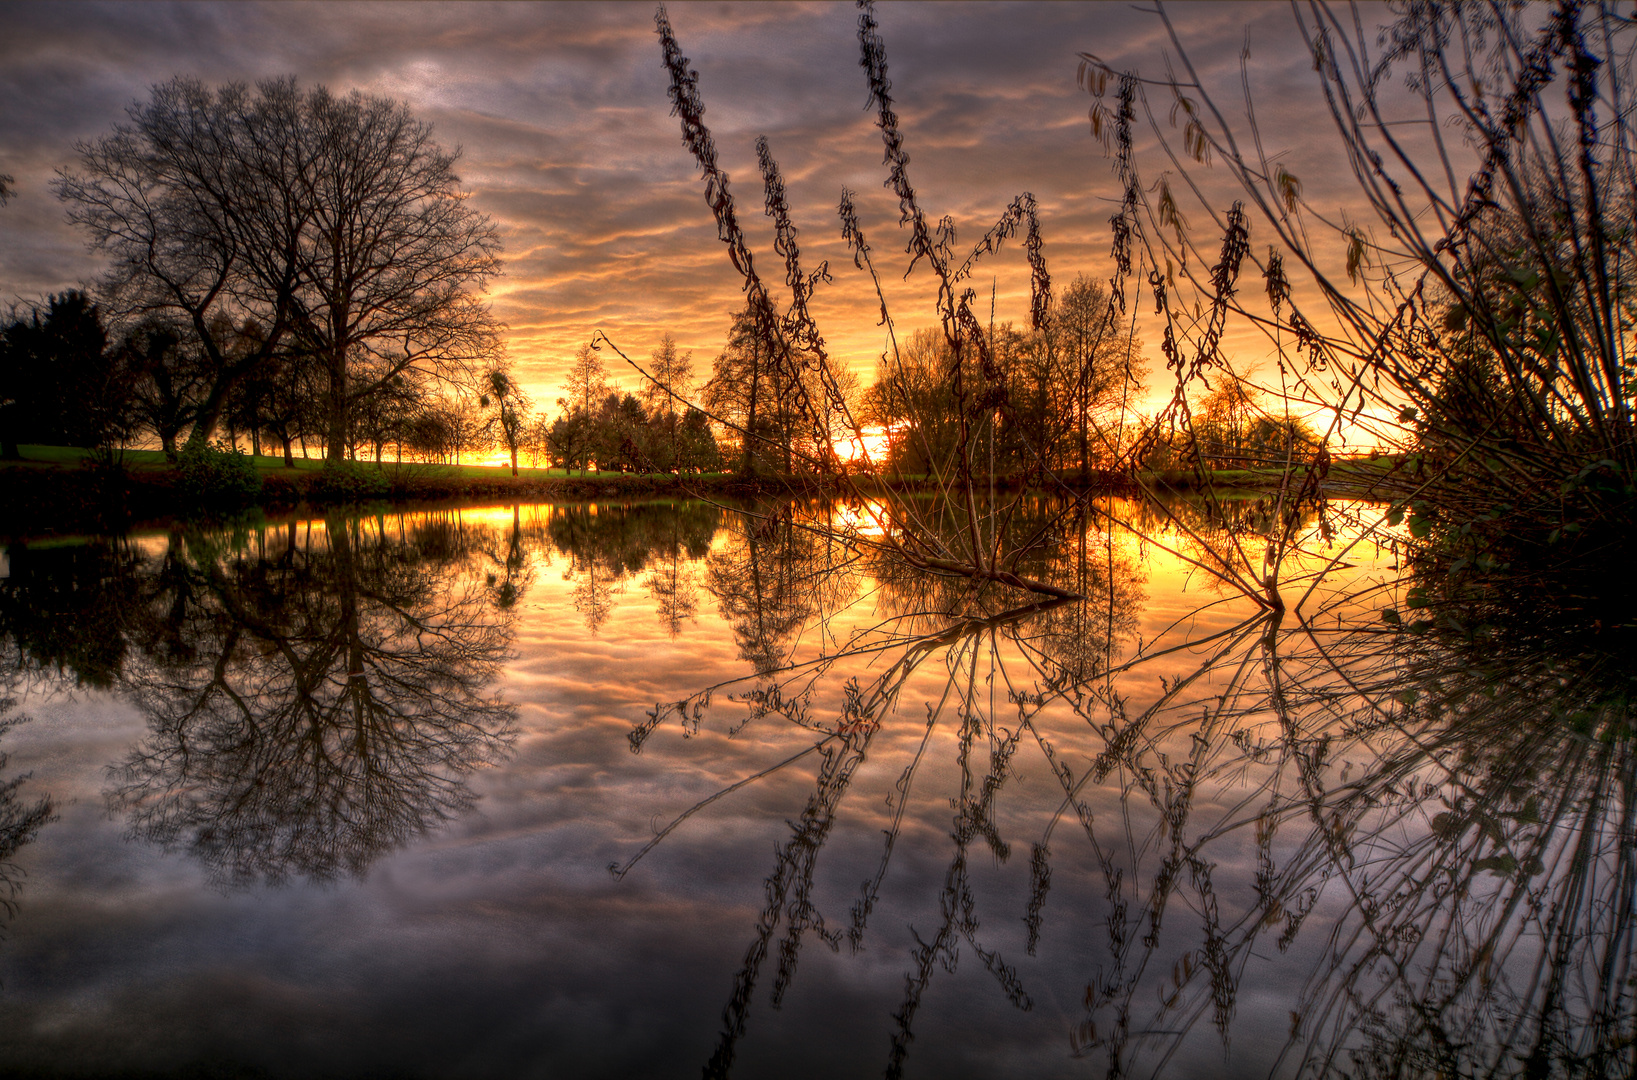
(790, 336)
(1481, 325)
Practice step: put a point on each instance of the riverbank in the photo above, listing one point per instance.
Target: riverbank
(44, 497)
(67, 490)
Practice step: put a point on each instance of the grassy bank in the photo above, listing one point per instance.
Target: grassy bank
(57, 489)
(66, 489)
(1361, 476)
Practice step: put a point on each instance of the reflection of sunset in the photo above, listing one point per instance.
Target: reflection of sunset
(870, 519)
(788, 738)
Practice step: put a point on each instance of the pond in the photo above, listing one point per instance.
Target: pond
(664, 789)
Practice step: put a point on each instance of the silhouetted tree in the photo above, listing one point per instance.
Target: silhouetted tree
(572, 436)
(509, 422)
(59, 382)
(749, 391)
(333, 223)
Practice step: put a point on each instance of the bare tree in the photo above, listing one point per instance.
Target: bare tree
(195, 202)
(390, 255)
(334, 223)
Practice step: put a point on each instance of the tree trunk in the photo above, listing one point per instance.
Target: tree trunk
(748, 468)
(336, 442)
(1085, 407)
(204, 422)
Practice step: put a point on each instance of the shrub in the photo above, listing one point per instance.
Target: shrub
(218, 475)
(349, 481)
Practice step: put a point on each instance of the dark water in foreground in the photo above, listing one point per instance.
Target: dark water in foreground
(391, 796)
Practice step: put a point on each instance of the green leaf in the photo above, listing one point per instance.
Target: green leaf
(1395, 515)
(1388, 615)
(1407, 415)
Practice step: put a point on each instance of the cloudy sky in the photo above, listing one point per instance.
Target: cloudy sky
(561, 113)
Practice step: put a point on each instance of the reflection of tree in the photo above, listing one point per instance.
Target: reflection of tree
(510, 574)
(20, 818)
(1468, 805)
(594, 564)
(1506, 920)
(1235, 539)
(64, 608)
(608, 544)
(775, 579)
(1071, 549)
(1463, 799)
(842, 746)
(326, 705)
(670, 583)
(779, 581)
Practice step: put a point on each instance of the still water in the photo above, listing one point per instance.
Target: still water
(679, 789)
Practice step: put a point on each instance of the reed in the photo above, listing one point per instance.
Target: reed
(1482, 330)
(978, 395)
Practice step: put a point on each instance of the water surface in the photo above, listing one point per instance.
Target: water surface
(663, 789)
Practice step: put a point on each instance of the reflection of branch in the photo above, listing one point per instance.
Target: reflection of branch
(20, 821)
(619, 870)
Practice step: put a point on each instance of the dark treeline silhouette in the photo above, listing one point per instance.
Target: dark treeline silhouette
(70, 376)
(60, 382)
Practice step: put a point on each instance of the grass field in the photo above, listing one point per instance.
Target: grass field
(1343, 469)
(73, 457)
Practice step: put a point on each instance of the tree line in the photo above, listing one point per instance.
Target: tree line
(283, 262)
(70, 378)
(301, 273)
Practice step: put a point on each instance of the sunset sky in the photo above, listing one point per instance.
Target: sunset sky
(568, 143)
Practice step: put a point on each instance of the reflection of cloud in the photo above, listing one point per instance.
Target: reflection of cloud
(562, 116)
(500, 946)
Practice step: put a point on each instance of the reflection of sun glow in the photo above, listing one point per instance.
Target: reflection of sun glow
(866, 520)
